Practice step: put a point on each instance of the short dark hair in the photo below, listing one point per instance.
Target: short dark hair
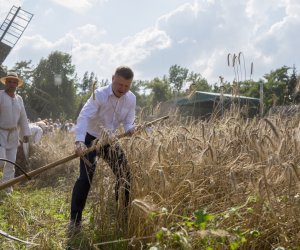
(125, 72)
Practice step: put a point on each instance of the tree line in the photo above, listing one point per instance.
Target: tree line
(53, 89)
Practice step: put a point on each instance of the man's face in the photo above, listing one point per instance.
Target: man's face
(11, 84)
(120, 85)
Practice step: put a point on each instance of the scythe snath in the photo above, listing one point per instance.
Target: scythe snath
(67, 158)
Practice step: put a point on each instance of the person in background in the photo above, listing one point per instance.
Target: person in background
(13, 124)
(36, 136)
(103, 113)
(42, 124)
(36, 133)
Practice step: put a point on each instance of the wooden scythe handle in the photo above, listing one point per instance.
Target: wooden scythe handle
(61, 161)
(37, 171)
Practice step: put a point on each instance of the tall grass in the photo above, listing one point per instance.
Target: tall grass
(222, 183)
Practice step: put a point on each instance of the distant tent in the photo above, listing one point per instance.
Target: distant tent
(203, 104)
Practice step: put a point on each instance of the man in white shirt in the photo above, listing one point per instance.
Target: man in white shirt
(13, 123)
(103, 113)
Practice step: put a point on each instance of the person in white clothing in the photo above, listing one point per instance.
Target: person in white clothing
(13, 123)
(108, 108)
(36, 136)
(42, 124)
(36, 133)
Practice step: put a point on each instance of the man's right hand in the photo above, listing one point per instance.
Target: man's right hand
(80, 148)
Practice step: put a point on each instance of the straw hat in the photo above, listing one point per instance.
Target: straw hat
(11, 75)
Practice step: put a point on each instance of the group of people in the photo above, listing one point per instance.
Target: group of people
(49, 126)
(108, 108)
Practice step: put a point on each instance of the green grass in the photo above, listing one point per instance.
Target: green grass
(41, 216)
(35, 215)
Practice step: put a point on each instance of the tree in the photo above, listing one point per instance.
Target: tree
(85, 83)
(50, 98)
(225, 86)
(276, 87)
(199, 83)
(250, 88)
(138, 87)
(24, 69)
(292, 83)
(160, 90)
(297, 91)
(177, 77)
(2, 72)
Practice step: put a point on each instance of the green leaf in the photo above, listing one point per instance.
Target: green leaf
(202, 218)
(234, 245)
(160, 234)
(189, 224)
(255, 233)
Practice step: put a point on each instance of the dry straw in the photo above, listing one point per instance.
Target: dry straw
(245, 172)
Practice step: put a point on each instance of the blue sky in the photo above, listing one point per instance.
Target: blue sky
(150, 36)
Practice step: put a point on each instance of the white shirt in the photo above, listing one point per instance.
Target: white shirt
(12, 115)
(105, 112)
(42, 125)
(36, 132)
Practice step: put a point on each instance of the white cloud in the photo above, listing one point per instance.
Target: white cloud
(100, 58)
(275, 41)
(292, 7)
(262, 30)
(197, 35)
(6, 6)
(89, 32)
(77, 5)
(49, 12)
(130, 51)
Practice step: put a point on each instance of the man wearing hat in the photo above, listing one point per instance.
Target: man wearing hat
(13, 123)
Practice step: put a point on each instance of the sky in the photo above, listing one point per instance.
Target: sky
(152, 35)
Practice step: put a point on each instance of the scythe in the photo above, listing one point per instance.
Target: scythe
(66, 159)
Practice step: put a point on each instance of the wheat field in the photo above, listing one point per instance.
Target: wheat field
(224, 183)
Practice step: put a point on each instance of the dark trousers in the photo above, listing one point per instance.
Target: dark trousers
(116, 159)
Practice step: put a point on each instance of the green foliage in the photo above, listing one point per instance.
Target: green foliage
(160, 91)
(179, 235)
(177, 77)
(292, 87)
(198, 82)
(85, 89)
(201, 219)
(276, 87)
(44, 98)
(172, 240)
(142, 100)
(86, 83)
(279, 88)
(226, 87)
(23, 214)
(250, 88)
(49, 98)
(2, 71)
(25, 72)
